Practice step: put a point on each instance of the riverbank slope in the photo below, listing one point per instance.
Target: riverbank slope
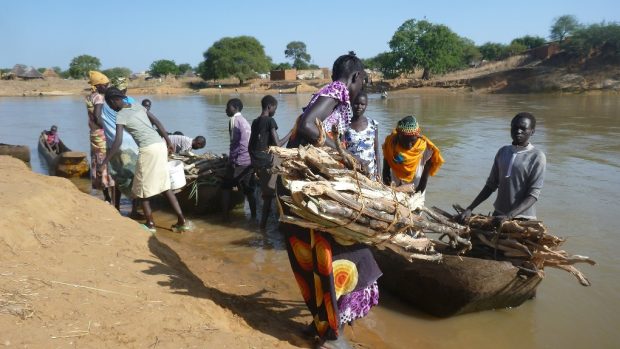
(75, 272)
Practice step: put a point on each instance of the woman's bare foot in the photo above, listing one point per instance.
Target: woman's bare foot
(340, 343)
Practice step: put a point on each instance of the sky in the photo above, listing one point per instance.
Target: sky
(134, 33)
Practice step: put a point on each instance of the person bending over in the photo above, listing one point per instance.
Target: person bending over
(151, 177)
(409, 157)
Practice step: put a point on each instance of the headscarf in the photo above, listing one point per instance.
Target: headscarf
(97, 78)
(404, 162)
(120, 83)
(409, 126)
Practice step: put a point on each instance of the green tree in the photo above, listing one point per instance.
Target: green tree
(58, 70)
(432, 47)
(163, 67)
(515, 48)
(563, 26)
(493, 51)
(384, 62)
(296, 51)
(595, 38)
(241, 56)
(117, 72)
(41, 70)
(81, 65)
(471, 53)
(184, 68)
(281, 66)
(529, 41)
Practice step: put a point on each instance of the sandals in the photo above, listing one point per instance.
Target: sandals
(180, 228)
(151, 230)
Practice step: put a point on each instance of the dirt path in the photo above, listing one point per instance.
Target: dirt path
(73, 272)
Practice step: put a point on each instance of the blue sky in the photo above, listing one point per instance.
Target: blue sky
(134, 33)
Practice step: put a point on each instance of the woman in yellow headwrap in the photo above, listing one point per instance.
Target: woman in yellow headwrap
(409, 157)
(94, 104)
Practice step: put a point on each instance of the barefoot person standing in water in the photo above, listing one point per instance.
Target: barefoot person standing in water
(265, 134)
(362, 137)
(151, 177)
(517, 174)
(94, 106)
(240, 172)
(333, 300)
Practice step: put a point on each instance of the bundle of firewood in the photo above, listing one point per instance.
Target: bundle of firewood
(527, 244)
(329, 197)
(205, 166)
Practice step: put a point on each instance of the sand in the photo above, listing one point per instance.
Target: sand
(73, 272)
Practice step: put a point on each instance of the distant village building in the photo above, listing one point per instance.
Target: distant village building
(24, 72)
(286, 75)
(50, 73)
(545, 51)
(305, 74)
(189, 74)
(311, 74)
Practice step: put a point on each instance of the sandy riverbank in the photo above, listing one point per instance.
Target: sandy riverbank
(74, 272)
(171, 86)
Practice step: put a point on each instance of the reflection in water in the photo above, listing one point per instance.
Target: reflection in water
(580, 135)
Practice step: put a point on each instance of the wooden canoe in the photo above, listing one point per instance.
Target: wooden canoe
(208, 200)
(21, 152)
(66, 163)
(457, 285)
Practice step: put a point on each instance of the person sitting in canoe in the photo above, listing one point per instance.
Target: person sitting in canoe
(53, 139)
(409, 157)
(517, 174)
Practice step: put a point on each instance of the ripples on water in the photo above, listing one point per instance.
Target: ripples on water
(580, 135)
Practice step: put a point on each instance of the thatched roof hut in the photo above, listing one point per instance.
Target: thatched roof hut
(25, 72)
(50, 73)
(189, 74)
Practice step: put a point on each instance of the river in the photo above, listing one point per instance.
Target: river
(579, 133)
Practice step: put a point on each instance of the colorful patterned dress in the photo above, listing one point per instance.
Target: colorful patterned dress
(97, 145)
(337, 280)
(362, 145)
(340, 116)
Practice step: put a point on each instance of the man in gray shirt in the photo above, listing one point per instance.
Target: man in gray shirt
(517, 174)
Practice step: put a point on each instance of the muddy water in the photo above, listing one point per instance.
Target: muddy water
(580, 135)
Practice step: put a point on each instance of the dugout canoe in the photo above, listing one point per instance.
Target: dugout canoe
(21, 152)
(66, 163)
(199, 197)
(457, 285)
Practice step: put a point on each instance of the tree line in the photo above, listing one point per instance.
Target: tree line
(436, 49)
(416, 44)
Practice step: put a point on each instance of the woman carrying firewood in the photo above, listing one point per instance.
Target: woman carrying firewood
(338, 282)
(409, 157)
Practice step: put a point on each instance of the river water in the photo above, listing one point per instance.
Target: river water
(580, 201)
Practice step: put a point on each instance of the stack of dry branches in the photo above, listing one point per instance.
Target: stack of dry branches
(327, 196)
(527, 244)
(206, 166)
